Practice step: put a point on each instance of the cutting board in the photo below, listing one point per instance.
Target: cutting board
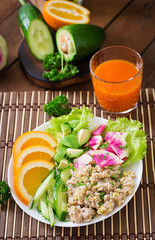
(33, 70)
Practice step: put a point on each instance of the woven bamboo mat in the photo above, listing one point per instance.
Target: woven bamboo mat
(21, 112)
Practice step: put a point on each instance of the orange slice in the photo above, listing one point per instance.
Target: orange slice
(32, 153)
(33, 138)
(58, 13)
(29, 177)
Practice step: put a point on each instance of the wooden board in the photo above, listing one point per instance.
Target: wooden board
(33, 70)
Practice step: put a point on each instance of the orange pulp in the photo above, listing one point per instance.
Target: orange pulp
(118, 88)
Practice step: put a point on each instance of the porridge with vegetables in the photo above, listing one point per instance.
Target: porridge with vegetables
(94, 190)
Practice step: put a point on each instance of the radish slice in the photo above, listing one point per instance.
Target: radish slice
(98, 130)
(104, 158)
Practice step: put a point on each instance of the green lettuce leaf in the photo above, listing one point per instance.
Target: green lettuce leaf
(136, 138)
(76, 114)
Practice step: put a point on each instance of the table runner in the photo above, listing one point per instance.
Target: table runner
(23, 111)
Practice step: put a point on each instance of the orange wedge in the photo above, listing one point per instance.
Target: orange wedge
(29, 177)
(58, 13)
(33, 138)
(32, 153)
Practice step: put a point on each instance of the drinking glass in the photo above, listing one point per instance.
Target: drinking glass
(122, 96)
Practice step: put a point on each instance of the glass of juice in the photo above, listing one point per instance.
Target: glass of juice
(116, 74)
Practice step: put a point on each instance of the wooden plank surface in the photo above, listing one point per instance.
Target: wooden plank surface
(126, 22)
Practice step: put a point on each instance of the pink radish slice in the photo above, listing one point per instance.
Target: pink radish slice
(98, 130)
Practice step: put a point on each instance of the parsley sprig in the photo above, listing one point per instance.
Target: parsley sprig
(57, 107)
(4, 191)
(57, 68)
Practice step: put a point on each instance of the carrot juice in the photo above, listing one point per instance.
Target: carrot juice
(117, 84)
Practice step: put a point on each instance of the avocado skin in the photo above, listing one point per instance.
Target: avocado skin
(87, 39)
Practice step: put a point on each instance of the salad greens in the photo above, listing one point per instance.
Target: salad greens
(57, 107)
(82, 115)
(57, 69)
(136, 138)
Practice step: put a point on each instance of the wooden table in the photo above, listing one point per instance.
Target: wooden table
(127, 22)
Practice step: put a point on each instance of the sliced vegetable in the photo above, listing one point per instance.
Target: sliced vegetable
(44, 209)
(3, 52)
(65, 173)
(136, 138)
(83, 160)
(60, 199)
(35, 30)
(83, 136)
(48, 182)
(70, 141)
(64, 164)
(82, 115)
(95, 141)
(104, 158)
(78, 41)
(98, 130)
(61, 152)
(73, 153)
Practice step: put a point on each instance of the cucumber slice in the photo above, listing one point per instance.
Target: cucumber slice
(44, 209)
(60, 199)
(78, 41)
(64, 164)
(39, 207)
(65, 173)
(35, 31)
(51, 216)
(48, 182)
(60, 153)
(3, 52)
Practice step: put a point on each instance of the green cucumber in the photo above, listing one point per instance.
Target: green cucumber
(60, 153)
(78, 41)
(59, 194)
(51, 215)
(35, 31)
(65, 173)
(60, 199)
(48, 182)
(44, 209)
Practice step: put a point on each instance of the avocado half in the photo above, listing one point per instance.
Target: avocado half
(78, 41)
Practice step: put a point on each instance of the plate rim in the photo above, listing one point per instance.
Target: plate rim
(58, 223)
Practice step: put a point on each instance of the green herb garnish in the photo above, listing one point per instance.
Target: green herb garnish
(102, 194)
(86, 197)
(110, 168)
(120, 186)
(104, 145)
(57, 68)
(80, 183)
(57, 107)
(114, 177)
(121, 173)
(4, 191)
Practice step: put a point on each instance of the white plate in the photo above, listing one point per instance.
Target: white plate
(136, 167)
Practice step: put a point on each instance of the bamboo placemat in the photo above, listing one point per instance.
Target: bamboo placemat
(21, 112)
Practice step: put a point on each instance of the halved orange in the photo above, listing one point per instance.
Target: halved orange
(29, 177)
(58, 13)
(33, 138)
(32, 153)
